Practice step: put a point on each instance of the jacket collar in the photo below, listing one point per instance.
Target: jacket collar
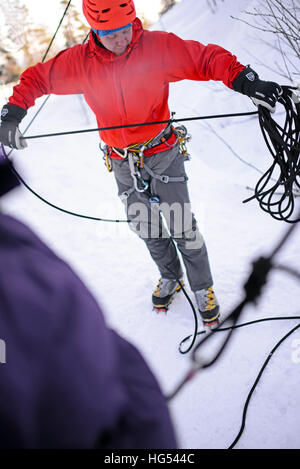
(95, 48)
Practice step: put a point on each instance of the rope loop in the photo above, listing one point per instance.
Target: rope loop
(283, 142)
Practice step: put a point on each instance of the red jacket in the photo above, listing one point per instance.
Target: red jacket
(131, 88)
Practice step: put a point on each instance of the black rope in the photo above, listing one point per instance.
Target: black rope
(238, 326)
(197, 367)
(233, 444)
(68, 212)
(253, 289)
(47, 98)
(142, 124)
(194, 337)
(288, 270)
(43, 60)
(15, 172)
(57, 29)
(87, 217)
(181, 285)
(283, 142)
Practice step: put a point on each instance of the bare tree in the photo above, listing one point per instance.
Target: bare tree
(166, 6)
(22, 41)
(213, 4)
(15, 17)
(281, 19)
(74, 30)
(145, 21)
(9, 68)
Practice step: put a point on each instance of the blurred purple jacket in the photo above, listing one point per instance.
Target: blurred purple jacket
(68, 380)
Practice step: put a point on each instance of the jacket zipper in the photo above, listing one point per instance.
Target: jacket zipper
(120, 100)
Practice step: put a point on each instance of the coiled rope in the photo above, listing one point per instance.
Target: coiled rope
(283, 142)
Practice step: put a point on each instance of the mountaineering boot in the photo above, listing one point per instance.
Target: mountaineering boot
(208, 306)
(164, 293)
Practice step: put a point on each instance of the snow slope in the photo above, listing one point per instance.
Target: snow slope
(69, 172)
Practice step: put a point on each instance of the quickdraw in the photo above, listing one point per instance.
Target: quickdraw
(108, 161)
(183, 137)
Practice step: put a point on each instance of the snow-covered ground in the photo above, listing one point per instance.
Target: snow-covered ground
(69, 171)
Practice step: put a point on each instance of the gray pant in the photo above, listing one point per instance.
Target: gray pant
(178, 220)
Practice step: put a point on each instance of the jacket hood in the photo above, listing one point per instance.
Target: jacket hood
(95, 48)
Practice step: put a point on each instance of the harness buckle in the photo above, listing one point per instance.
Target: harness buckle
(164, 178)
(122, 155)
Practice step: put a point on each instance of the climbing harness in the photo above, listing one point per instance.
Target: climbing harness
(156, 144)
(166, 139)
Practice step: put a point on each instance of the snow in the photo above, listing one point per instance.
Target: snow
(69, 172)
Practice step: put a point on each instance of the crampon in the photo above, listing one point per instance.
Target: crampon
(211, 324)
(161, 305)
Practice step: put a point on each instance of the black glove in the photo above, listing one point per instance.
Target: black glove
(265, 93)
(10, 134)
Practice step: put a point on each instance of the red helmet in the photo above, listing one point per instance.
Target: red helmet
(108, 14)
